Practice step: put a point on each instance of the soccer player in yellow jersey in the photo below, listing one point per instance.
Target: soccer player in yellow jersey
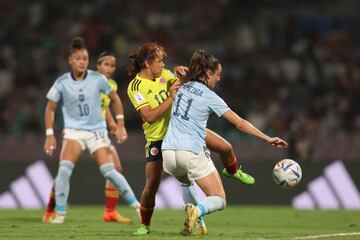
(106, 64)
(152, 91)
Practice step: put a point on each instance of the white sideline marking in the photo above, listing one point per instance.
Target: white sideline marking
(319, 236)
(328, 235)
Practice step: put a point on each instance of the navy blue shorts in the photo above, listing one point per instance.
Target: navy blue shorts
(153, 151)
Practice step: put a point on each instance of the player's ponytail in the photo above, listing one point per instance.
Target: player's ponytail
(146, 52)
(200, 62)
(135, 66)
(77, 43)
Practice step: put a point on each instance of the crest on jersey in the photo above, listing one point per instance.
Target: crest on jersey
(81, 97)
(154, 151)
(162, 80)
(139, 98)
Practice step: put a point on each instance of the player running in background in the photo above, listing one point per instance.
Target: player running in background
(151, 92)
(183, 146)
(106, 64)
(84, 126)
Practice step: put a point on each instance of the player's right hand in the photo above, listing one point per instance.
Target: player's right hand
(50, 145)
(278, 142)
(174, 88)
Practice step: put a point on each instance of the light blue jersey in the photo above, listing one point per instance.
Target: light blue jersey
(81, 104)
(192, 106)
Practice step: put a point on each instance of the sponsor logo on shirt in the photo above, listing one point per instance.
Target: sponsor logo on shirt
(81, 97)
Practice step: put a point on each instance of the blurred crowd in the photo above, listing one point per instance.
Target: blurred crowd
(291, 68)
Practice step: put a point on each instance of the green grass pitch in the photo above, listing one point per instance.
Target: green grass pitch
(235, 222)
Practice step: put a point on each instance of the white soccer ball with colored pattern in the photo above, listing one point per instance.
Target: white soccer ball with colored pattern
(287, 173)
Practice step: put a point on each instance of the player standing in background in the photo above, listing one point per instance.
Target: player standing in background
(151, 92)
(106, 64)
(183, 146)
(84, 126)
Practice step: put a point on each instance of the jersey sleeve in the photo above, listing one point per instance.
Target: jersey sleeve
(114, 84)
(54, 93)
(170, 76)
(217, 104)
(137, 93)
(104, 86)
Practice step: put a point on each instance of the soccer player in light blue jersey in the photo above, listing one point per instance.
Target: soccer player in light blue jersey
(183, 147)
(84, 126)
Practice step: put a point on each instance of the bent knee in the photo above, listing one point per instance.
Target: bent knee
(224, 148)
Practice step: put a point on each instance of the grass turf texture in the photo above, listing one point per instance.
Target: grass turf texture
(235, 222)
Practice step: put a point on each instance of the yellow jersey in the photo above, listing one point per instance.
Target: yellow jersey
(145, 92)
(105, 100)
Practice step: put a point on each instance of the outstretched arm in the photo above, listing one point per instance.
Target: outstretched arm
(248, 128)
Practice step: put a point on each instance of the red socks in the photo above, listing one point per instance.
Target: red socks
(146, 214)
(231, 167)
(51, 204)
(111, 199)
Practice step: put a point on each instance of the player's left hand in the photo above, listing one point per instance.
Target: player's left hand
(181, 72)
(278, 142)
(121, 134)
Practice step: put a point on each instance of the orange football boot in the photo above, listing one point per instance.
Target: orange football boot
(114, 216)
(48, 216)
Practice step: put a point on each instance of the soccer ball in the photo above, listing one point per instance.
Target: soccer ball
(287, 173)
